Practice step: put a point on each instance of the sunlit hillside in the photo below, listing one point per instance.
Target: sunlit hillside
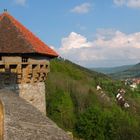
(74, 103)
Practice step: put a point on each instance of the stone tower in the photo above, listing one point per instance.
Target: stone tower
(24, 61)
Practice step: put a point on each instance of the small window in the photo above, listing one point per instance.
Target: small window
(24, 59)
(41, 66)
(34, 66)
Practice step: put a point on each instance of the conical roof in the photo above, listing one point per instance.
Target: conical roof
(17, 39)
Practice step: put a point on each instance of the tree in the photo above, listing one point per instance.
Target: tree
(90, 124)
(61, 109)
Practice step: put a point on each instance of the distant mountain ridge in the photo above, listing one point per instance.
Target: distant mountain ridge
(110, 70)
(120, 72)
(132, 72)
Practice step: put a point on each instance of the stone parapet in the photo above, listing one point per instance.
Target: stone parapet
(22, 121)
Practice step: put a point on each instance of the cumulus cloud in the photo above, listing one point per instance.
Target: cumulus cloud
(82, 9)
(111, 47)
(74, 41)
(21, 2)
(128, 3)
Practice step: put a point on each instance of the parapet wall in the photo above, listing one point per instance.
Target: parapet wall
(22, 121)
(1, 121)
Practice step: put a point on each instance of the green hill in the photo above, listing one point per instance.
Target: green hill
(132, 72)
(75, 105)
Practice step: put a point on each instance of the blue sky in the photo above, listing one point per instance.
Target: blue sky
(92, 33)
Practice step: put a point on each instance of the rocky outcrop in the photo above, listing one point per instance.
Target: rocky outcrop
(22, 121)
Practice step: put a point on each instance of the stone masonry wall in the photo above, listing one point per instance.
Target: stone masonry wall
(26, 75)
(35, 94)
(22, 121)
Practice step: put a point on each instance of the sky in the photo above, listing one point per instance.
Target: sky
(92, 33)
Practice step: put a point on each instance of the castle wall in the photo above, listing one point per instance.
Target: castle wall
(1, 121)
(11, 59)
(22, 121)
(26, 76)
(38, 60)
(34, 94)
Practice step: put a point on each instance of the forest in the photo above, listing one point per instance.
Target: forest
(75, 104)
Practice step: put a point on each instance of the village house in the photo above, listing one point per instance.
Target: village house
(120, 98)
(136, 80)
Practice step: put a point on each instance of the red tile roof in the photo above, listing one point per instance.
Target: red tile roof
(16, 38)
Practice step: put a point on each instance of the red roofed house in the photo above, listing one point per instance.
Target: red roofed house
(24, 61)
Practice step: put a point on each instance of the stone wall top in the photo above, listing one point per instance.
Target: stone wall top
(22, 121)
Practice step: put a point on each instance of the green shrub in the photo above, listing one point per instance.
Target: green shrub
(60, 109)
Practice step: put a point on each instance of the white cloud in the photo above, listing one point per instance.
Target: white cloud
(52, 47)
(82, 9)
(134, 3)
(111, 47)
(119, 2)
(74, 41)
(128, 3)
(21, 2)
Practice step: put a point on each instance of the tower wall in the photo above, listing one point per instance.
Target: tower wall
(27, 77)
(34, 94)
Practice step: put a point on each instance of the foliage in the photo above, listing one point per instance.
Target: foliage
(90, 124)
(60, 109)
(75, 105)
(114, 124)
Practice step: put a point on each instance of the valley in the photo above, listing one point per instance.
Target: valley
(76, 105)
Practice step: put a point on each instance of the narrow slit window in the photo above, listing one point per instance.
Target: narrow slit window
(24, 59)
(41, 66)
